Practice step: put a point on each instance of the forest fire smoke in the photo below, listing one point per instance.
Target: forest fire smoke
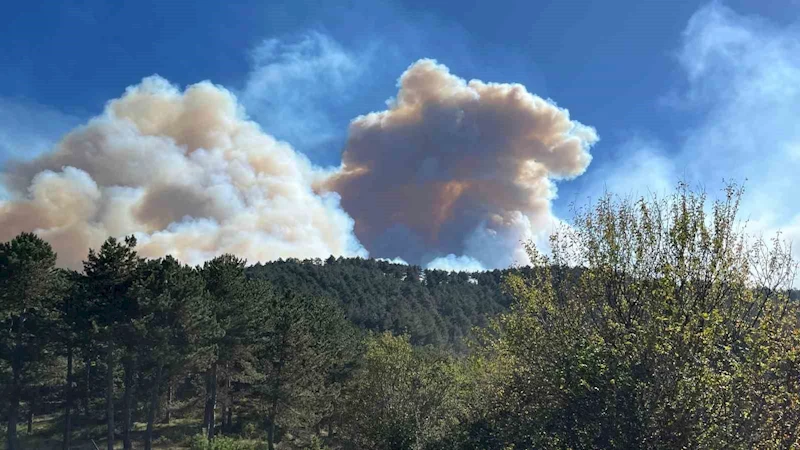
(453, 173)
(457, 167)
(185, 172)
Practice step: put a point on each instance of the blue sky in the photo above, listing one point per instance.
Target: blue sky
(609, 63)
(672, 87)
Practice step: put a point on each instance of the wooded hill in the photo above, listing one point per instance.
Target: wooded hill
(432, 306)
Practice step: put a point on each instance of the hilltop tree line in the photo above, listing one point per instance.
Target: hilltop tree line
(433, 307)
(654, 323)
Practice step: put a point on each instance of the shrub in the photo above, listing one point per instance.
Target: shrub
(199, 442)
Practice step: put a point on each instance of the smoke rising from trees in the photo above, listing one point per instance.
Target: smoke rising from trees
(185, 172)
(453, 173)
(457, 167)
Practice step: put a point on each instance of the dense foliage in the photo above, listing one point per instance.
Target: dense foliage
(649, 324)
(679, 334)
(432, 306)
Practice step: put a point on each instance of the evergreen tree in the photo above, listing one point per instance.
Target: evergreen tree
(110, 274)
(226, 284)
(29, 295)
(174, 309)
(68, 335)
(303, 340)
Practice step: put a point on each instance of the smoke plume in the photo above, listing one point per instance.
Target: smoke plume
(457, 173)
(185, 172)
(453, 174)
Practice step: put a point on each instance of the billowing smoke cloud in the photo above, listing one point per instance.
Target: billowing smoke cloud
(457, 168)
(187, 173)
(454, 174)
(393, 260)
(453, 263)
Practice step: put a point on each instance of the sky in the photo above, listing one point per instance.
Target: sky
(694, 90)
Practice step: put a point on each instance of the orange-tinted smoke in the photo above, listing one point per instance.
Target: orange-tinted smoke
(450, 160)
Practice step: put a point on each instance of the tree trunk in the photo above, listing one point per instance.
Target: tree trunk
(110, 393)
(329, 421)
(273, 413)
(151, 412)
(208, 401)
(227, 418)
(168, 415)
(31, 408)
(87, 365)
(68, 401)
(127, 401)
(212, 402)
(13, 407)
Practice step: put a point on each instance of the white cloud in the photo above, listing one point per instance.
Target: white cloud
(642, 168)
(293, 79)
(742, 78)
(746, 73)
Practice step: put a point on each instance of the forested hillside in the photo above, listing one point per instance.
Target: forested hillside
(431, 306)
(649, 324)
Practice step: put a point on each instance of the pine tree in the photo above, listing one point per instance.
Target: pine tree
(170, 297)
(29, 295)
(68, 332)
(225, 282)
(306, 344)
(110, 274)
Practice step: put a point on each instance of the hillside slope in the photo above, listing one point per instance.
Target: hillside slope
(432, 306)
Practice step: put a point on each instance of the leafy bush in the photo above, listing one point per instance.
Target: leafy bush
(404, 397)
(199, 442)
(316, 444)
(251, 430)
(677, 333)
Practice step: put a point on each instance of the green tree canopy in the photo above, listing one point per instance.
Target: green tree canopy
(30, 292)
(678, 333)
